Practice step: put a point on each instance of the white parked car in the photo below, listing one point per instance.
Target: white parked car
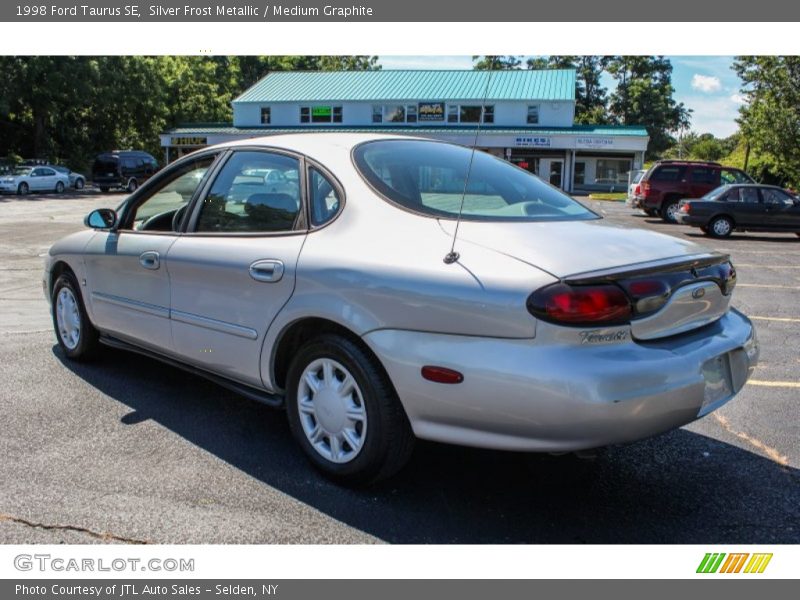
(634, 188)
(34, 179)
(350, 300)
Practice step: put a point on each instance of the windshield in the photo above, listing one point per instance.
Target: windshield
(428, 177)
(22, 171)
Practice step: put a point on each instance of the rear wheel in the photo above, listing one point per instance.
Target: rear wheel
(650, 212)
(344, 412)
(60, 187)
(76, 335)
(23, 189)
(132, 185)
(79, 183)
(669, 210)
(721, 227)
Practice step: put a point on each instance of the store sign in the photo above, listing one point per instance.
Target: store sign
(321, 111)
(189, 141)
(594, 142)
(532, 142)
(430, 111)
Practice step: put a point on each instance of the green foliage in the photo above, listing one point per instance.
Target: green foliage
(770, 120)
(70, 108)
(494, 63)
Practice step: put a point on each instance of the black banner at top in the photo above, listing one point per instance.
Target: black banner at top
(407, 10)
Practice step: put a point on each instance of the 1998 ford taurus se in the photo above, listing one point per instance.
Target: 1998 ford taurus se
(351, 299)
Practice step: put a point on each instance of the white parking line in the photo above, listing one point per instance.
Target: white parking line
(740, 265)
(768, 285)
(781, 319)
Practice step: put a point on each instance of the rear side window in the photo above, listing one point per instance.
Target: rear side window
(668, 173)
(734, 176)
(704, 175)
(244, 199)
(106, 164)
(323, 196)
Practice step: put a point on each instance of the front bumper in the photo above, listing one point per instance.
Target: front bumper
(8, 187)
(547, 394)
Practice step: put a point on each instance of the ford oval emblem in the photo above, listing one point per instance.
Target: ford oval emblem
(698, 293)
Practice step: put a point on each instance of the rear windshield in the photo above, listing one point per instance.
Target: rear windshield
(106, 163)
(429, 178)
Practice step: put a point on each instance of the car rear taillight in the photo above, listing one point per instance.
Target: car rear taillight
(603, 304)
(646, 188)
(637, 190)
(686, 208)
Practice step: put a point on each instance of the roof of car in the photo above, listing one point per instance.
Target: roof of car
(313, 143)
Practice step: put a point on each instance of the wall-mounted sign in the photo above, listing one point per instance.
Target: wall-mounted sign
(430, 111)
(189, 141)
(321, 111)
(532, 142)
(594, 142)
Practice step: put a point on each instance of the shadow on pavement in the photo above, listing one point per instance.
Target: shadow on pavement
(680, 487)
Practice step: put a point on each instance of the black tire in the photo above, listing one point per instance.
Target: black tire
(132, 186)
(60, 187)
(104, 189)
(23, 189)
(650, 212)
(720, 227)
(88, 341)
(668, 210)
(388, 442)
(704, 230)
(79, 184)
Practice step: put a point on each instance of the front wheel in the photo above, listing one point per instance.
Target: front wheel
(104, 189)
(76, 335)
(344, 412)
(60, 187)
(132, 185)
(23, 189)
(721, 227)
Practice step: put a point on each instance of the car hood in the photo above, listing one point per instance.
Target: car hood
(567, 248)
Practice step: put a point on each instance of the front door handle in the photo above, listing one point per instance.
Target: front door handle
(150, 260)
(268, 271)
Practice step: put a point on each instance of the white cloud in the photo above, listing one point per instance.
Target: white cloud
(738, 99)
(706, 83)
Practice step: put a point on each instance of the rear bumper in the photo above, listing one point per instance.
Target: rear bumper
(693, 221)
(543, 395)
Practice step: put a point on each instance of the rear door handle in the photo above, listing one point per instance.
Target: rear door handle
(268, 271)
(150, 260)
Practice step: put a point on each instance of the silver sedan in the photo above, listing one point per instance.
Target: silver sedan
(404, 289)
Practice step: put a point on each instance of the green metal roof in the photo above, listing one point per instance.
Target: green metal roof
(381, 86)
(616, 130)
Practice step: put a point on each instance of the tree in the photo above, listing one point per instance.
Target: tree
(644, 96)
(770, 119)
(496, 63)
(590, 96)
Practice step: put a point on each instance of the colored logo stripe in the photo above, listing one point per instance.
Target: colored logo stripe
(733, 564)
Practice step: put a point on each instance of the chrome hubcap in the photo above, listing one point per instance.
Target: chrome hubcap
(672, 212)
(722, 227)
(332, 411)
(68, 318)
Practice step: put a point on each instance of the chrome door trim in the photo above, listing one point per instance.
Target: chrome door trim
(213, 324)
(150, 309)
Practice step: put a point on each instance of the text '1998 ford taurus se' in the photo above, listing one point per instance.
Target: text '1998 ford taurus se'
(321, 272)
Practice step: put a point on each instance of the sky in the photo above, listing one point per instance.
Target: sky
(706, 84)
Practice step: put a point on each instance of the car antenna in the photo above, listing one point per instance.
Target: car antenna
(453, 256)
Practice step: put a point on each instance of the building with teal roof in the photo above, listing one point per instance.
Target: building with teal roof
(525, 116)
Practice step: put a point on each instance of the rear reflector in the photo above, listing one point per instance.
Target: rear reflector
(441, 374)
(581, 304)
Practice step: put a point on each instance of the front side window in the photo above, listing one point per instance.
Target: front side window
(772, 196)
(429, 178)
(749, 195)
(254, 192)
(157, 211)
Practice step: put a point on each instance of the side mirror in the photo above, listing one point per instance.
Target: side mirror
(102, 218)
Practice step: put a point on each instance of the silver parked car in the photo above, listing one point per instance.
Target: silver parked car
(34, 179)
(76, 180)
(350, 300)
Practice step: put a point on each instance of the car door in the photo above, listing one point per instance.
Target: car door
(702, 180)
(128, 283)
(234, 269)
(37, 180)
(782, 210)
(750, 211)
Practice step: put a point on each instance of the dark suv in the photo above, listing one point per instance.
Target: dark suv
(126, 169)
(668, 182)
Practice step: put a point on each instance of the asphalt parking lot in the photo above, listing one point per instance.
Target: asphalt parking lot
(129, 450)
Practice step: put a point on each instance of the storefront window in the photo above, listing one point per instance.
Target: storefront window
(377, 114)
(452, 113)
(467, 113)
(265, 115)
(488, 114)
(320, 114)
(580, 173)
(411, 113)
(394, 114)
(533, 114)
(612, 171)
